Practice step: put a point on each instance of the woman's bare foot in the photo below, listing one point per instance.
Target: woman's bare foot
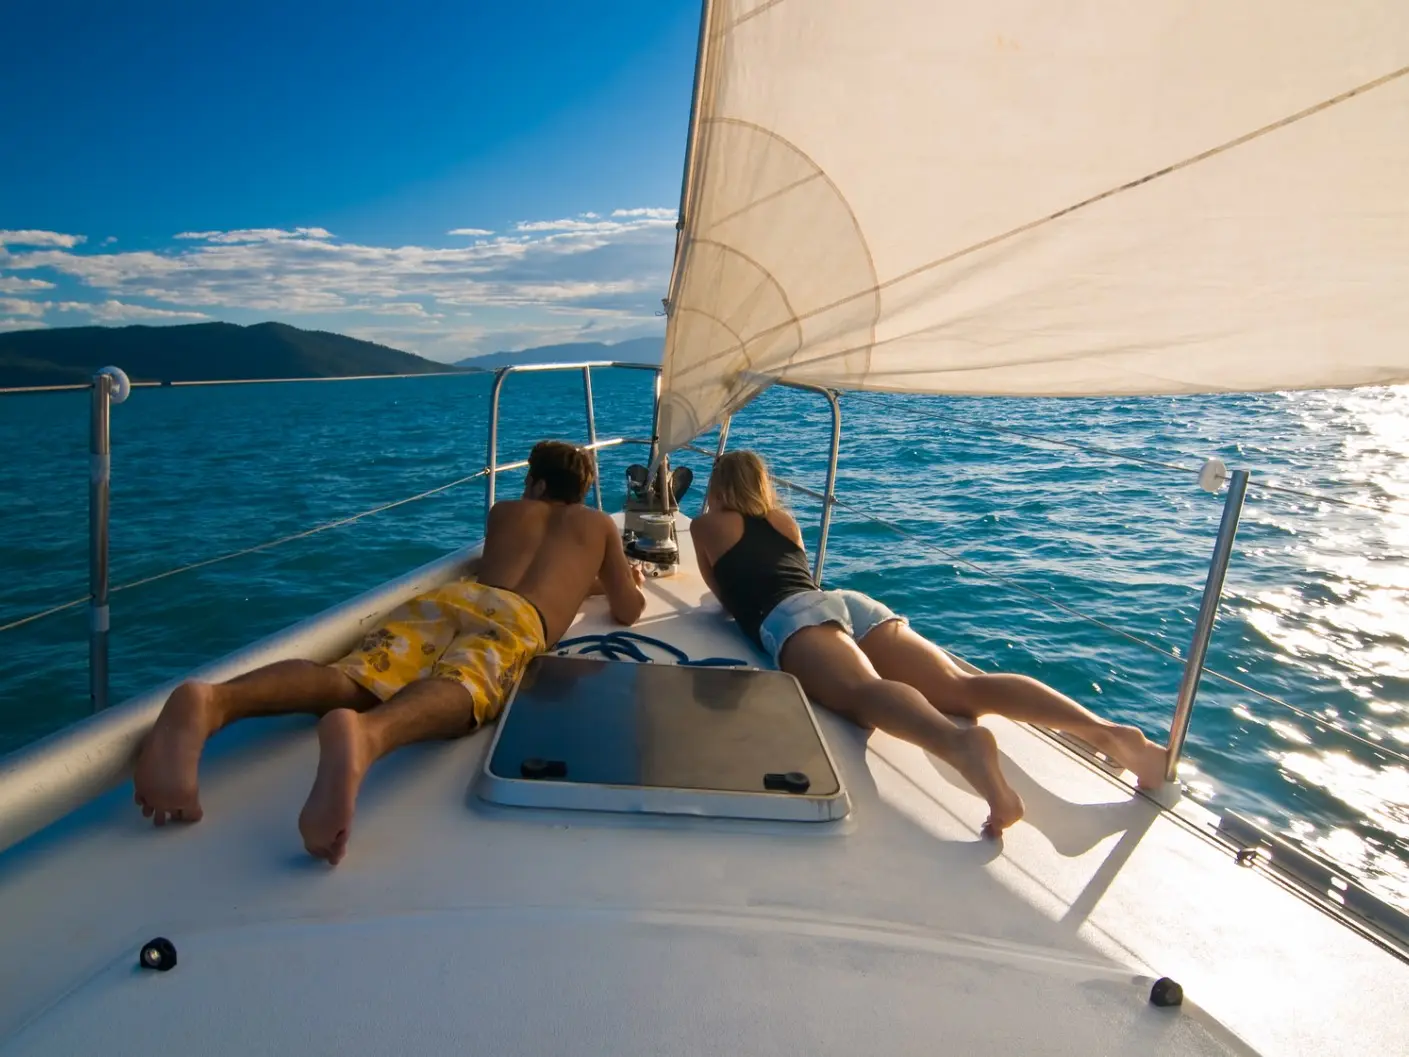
(1132, 750)
(977, 761)
(166, 781)
(343, 757)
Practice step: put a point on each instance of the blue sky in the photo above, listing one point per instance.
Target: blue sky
(446, 177)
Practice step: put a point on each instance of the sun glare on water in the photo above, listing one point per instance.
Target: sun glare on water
(1345, 625)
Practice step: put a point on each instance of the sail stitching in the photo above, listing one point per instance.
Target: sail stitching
(768, 198)
(752, 14)
(1211, 152)
(738, 338)
(793, 316)
(819, 171)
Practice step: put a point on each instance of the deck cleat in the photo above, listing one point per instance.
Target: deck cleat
(158, 954)
(1166, 993)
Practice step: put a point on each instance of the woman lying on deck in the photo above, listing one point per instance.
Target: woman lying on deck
(862, 661)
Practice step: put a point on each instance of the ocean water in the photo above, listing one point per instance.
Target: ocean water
(1316, 610)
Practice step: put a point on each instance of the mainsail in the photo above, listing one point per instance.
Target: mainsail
(1032, 198)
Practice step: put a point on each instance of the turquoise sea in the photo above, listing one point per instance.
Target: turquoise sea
(1316, 611)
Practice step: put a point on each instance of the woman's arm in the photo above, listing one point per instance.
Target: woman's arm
(781, 520)
(702, 533)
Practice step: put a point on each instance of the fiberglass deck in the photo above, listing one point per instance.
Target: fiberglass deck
(456, 926)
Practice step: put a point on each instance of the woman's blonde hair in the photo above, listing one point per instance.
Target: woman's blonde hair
(741, 482)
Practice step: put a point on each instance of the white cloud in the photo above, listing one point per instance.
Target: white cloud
(558, 277)
(109, 240)
(395, 308)
(565, 224)
(22, 324)
(117, 312)
(11, 285)
(469, 231)
(256, 235)
(40, 238)
(15, 306)
(592, 223)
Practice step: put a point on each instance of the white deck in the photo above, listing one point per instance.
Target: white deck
(453, 927)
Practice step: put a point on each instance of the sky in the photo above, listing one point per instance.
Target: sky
(450, 178)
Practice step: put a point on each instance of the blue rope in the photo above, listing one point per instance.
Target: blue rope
(623, 646)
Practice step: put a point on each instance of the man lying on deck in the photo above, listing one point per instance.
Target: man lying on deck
(441, 665)
(860, 660)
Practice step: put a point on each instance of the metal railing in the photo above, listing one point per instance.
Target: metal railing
(493, 468)
(111, 386)
(1203, 627)
(491, 457)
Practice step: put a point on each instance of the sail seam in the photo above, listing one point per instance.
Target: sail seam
(793, 317)
(752, 14)
(797, 318)
(768, 198)
(738, 338)
(1129, 185)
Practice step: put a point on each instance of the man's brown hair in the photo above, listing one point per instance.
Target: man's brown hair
(565, 470)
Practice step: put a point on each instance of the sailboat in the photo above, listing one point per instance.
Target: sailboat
(1014, 198)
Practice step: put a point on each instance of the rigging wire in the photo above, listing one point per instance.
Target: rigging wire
(1015, 585)
(248, 550)
(1113, 453)
(952, 556)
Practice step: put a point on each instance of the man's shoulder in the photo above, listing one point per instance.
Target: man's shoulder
(601, 518)
(538, 508)
(582, 515)
(512, 509)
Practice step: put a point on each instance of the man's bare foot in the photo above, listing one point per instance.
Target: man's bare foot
(343, 756)
(1135, 752)
(165, 783)
(977, 761)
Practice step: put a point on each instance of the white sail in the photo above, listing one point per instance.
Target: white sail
(1034, 198)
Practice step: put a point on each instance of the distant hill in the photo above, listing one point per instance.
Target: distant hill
(637, 350)
(196, 352)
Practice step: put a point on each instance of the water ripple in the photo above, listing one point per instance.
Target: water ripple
(1315, 611)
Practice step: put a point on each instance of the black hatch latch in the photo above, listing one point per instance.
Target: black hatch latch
(535, 767)
(787, 782)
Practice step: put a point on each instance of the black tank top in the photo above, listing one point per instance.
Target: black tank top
(758, 572)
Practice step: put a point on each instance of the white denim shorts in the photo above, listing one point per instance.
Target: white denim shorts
(857, 614)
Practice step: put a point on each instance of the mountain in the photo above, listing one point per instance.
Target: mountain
(196, 352)
(637, 350)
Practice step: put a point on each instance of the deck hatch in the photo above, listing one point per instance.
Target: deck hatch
(616, 736)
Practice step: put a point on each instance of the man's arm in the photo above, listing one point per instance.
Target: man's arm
(620, 580)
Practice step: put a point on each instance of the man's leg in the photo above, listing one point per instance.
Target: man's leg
(836, 674)
(349, 742)
(166, 781)
(899, 653)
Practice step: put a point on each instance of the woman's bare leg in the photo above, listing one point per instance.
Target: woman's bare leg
(166, 781)
(898, 653)
(836, 674)
(349, 742)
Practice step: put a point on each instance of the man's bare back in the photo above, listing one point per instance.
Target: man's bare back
(439, 666)
(551, 554)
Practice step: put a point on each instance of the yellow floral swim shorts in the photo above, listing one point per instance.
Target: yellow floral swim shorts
(481, 637)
